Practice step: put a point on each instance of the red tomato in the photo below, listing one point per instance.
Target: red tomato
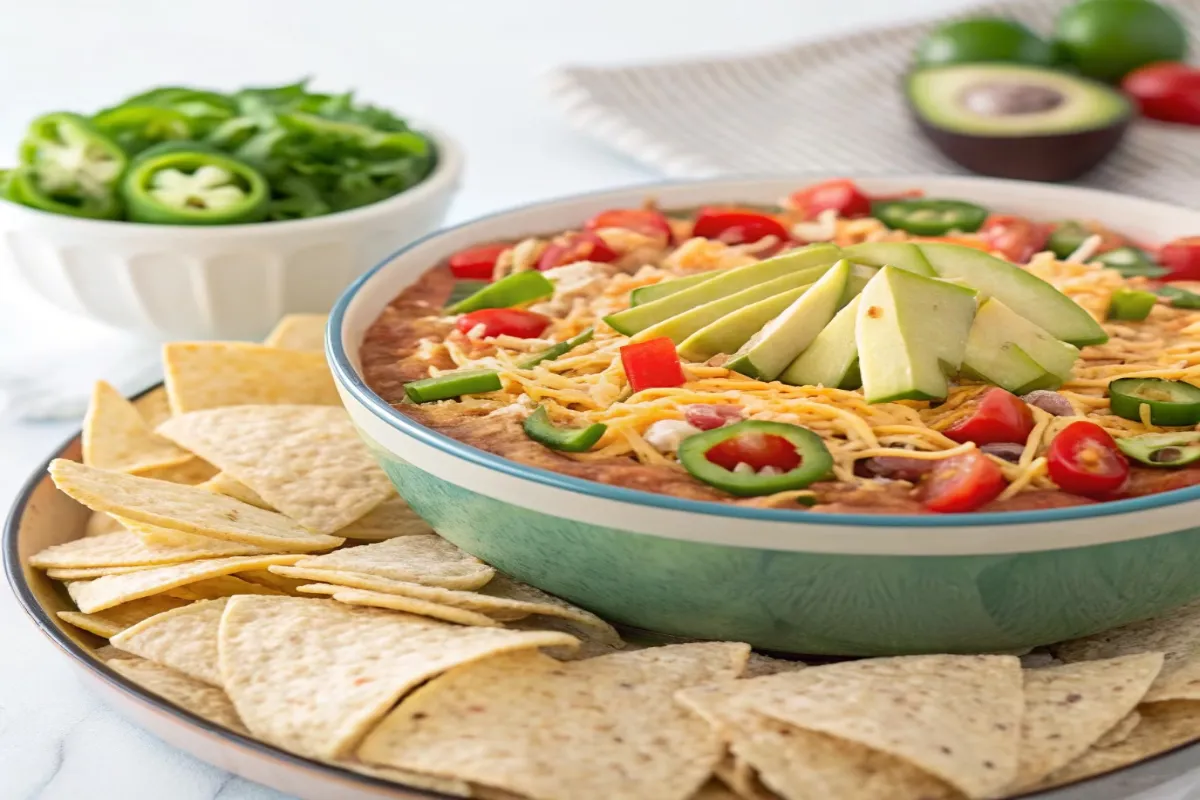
(841, 194)
(1084, 460)
(1168, 91)
(652, 363)
(707, 416)
(999, 416)
(581, 246)
(962, 483)
(476, 263)
(505, 322)
(759, 450)
(1182, 259)
(737, 225)
(640, 220)
(1016, 238)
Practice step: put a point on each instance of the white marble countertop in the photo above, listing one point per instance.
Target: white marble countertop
(472, 67)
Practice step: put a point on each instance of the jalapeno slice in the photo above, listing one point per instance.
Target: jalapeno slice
(176, 186)
(929, 217)
(1162, 449)
(1172, 403)
(696, 454)
(1180, 298)
(453, 384)
(70, 167)
(1131, 305)
(1066, 238)
(136, 128)
(1130, 262)
(560, 349)
(512, 290)
(570, 440)
(22, 187)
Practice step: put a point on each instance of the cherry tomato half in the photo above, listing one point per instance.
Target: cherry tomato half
(580, 246)
(476, 263)
(640, 220)
(842, 195)
(505, 322)
(999, 416)
(1168, 91)
(737, 226)
(759, 450)
(709, 416)
(1016, 238)
(1084, 460)
(1182, 259)
(652, 363)
(962, 483)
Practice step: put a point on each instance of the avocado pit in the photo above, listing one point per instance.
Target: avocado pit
(995, 99)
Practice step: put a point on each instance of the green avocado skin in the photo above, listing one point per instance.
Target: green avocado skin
(985, 39)
(1108, 39)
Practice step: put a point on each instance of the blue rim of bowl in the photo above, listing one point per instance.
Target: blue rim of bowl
(345, 373)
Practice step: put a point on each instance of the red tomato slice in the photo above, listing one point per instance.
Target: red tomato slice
(505, 322)
(759, 450)
(737, 226)
(581, 246)
(652, 363)
(707, 416)
(1182, 258)
(639, 220)
(1016, 238)
(999, 416)
(1167, 91)
(1084, 460)
(476, 263)
(842, 195)
(962, 483)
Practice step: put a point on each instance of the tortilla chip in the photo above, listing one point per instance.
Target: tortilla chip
(312, 676)
(154, 406)
(741, 779)
(956, 717)
(183, 508)
(184, 639)
(202, 375)
(99, 524)
(299, 332)
(1068, 708)
(593, 642)
(112, 621)
(715, 790)
(221, 483)
(128, 550)
(799, 763)
(108, 653)
(112, 590)
(190, 473)
(395, 602)
(444, 785)
(427, 559)
(116, 437)
(307, 462)
(1176, 635)
(389, 519)
(189, 694)
(221, 586)
(1119, 732)
(280, 583)
(506, 722)
(87, 573)
(760, 665)
(1163, 727)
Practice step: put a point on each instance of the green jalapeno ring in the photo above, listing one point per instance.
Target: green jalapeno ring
(538, 427)
(136, 128)
(1130, 262)
(70, 157)
(1162, 449)
(815, 461)
(1171, 403)
(21, 186)
(929, 217)
(179, 186)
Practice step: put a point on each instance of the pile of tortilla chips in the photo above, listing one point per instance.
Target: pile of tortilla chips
(249, 562)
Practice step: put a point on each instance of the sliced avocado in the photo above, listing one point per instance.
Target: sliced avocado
(1008, 350)
(1016, 121)
(733, 330)
(1022, 291)
(911, 330)
(904, 255)
(644, 294)
(860, 274)
(769, 351)
(832, 358)
(681, 326)
(638, 318)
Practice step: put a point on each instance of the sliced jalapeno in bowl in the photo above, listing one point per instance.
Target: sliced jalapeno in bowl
(69, 167)
(23, 186)
(194, 187)
(1162, 449)
(929, 217)
(1172, 403)
(136, 128)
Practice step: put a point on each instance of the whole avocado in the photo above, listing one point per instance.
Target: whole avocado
(1108, 39)
(984, 39)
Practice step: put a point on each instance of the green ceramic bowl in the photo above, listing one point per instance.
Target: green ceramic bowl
(840, 584)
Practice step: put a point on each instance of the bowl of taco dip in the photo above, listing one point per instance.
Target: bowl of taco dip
(849, 417)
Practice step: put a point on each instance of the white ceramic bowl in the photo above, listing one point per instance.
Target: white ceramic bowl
(221, 282)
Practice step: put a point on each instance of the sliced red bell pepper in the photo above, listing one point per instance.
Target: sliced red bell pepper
(652, 364)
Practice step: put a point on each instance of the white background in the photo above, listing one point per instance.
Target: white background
(472, 67)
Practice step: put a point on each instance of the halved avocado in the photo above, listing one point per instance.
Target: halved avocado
(1016, 121)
